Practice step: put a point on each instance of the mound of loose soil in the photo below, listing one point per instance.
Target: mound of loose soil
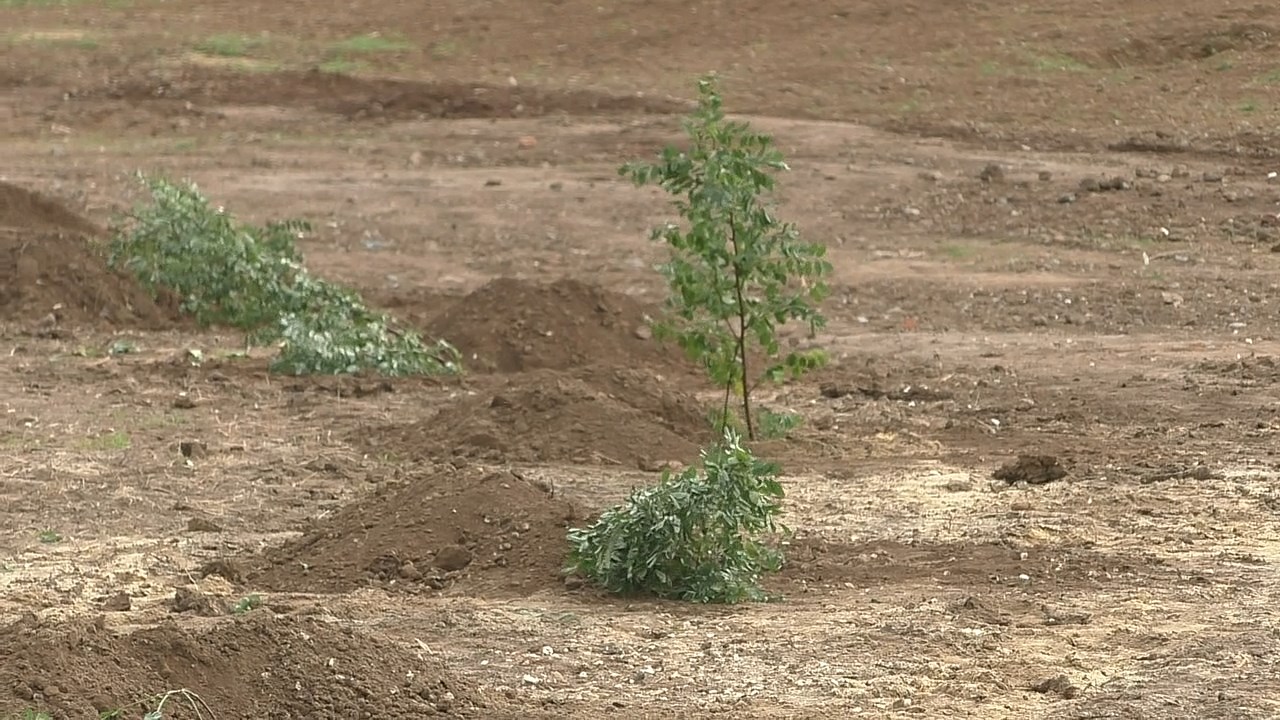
(470, 530)
(258, 665)
(48, 265)
(381, 98)
(594, 416)
(511, 325)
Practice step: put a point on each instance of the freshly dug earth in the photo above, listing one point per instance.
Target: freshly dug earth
(511, 325)
(471, 531)
(259, 665)
(591, 416)
(48, 266)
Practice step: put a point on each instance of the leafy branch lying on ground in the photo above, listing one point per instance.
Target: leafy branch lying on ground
(695, 536)
(736, 273)
(252, 278)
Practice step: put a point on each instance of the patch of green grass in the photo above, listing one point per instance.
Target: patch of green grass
(115, 440)
(230, 45)
(957, 251)
(341, 66)
(59, 39)
(1053, 62)
(1058, 62)
(48, 537)
(37, 4)
(1249, 106)
(32, 715)
(1271, 77)
(371, 43)
(247, 603)
(444, 49)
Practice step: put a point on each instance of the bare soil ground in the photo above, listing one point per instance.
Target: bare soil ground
(1054, 229)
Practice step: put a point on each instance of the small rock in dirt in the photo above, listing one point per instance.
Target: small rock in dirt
(556, 186)
(409, 571)
(191, 449)
(191, 600)
(1171, 298)
(1053, 616)
(991, 173)
(643, 332)
(494, 182)
(1066, 199)
(573, 582)
(1031, 469)
(1211, 177)
(1060, 686)
(1114, 183)
(120, 602)
(184, 402)
(224, 569)
(931, 176)
(452, 558)
(202, 525)
(1090, 184)
(1045, 176)
(415, 158)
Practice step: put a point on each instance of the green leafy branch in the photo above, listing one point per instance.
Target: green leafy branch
(736, 272)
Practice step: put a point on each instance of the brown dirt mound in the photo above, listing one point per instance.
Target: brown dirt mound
(511, 325)
(595, 416)
(469, 530)
(49, 266)
(355, 97)
(296, 667)
(1191, 43)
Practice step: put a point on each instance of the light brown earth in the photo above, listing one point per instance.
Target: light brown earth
(978, 315)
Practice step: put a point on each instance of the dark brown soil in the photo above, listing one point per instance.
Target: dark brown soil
(1054, 232)
(511, 325)
(377, 98)
(49, 265)
(466, 531)
(259, 665)
(592, 416)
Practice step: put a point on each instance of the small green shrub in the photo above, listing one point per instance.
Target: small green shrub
(697, 535)
(252, 278)
(736, 271)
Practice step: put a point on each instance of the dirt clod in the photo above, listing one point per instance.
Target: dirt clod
(1031, 469)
